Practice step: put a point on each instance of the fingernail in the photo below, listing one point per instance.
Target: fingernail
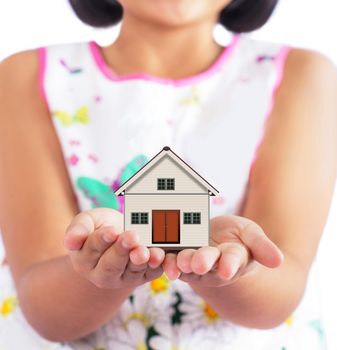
(76, 229)
(231, 269)
(107, 238)
(235, 265)
(173, 275)
(125, 244)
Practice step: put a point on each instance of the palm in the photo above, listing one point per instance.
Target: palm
(236, 243)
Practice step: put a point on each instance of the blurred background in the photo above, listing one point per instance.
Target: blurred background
(301, 23)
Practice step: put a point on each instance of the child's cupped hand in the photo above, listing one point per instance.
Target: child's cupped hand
(237, 245)
(100, 251)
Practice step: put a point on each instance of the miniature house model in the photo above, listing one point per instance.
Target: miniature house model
(167, 203)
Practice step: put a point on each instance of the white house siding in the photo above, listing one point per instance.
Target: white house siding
(166, 168)
(191, 235)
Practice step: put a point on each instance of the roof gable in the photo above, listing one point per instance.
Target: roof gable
(166, 151)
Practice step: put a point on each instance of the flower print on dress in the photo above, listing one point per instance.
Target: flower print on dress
(15, 332)
(73, 159)
(93, 157)
(81, 116)
(160, 290)
(74, 142)
(193, 99)
(317, 325)
(8, 298)
(263, 58)
(312, 332)
(139, 306)
(94, 341)
(7, 305)
(71, 70)
(101, 194)
(181, 337)
(98, 98)
(200, 315)
(131, 337)
(138, 315)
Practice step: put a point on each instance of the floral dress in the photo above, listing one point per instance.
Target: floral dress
(109, 126)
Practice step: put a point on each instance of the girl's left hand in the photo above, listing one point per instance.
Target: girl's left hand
(236, 245)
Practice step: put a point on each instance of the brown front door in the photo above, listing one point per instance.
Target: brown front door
(165, 226)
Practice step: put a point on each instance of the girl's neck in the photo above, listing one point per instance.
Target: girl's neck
(166, 52)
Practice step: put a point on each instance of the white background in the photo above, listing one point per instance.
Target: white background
(303, 23)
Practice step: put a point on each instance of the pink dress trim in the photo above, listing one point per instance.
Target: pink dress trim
(108, 73)
(42, 54)
(280, 63)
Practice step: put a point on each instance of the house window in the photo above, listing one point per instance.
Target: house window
(165, 184)
(170, 184)
(196, 219)
(161, 184)
(192, 218)
(139, 218)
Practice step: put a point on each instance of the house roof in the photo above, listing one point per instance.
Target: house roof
(166, 151)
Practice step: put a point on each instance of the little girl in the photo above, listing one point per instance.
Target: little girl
(256, 119)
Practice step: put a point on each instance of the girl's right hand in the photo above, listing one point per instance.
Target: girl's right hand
(105, 255)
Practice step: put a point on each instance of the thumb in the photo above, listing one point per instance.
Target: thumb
(76, 234)
(86, 222)
(262, 248)
(78, 231)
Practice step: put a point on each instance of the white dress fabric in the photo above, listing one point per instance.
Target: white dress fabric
(109, 126)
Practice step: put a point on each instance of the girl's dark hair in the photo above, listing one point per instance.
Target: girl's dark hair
(239, 16)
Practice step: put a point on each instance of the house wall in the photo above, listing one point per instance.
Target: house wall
(166, 168)
(191, 235)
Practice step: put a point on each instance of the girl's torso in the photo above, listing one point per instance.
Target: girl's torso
(109, 126)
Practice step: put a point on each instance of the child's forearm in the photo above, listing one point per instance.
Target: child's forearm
(61, 305)
(263, 299)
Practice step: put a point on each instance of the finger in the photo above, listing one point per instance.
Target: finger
(250, 268)
(152, 274)
(100, 240)
(170, 266)
(87, 222)
(203, 259)
(251, 234)
(262, 248)
(190, 277)
(138, 257)
(233, 257)
(115, 259)
(78, 231)
(94, 246)
(184, 259)
(137, 274)
(135, 271)
(157, 256)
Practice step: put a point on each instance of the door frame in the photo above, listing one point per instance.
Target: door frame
(152, 231)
